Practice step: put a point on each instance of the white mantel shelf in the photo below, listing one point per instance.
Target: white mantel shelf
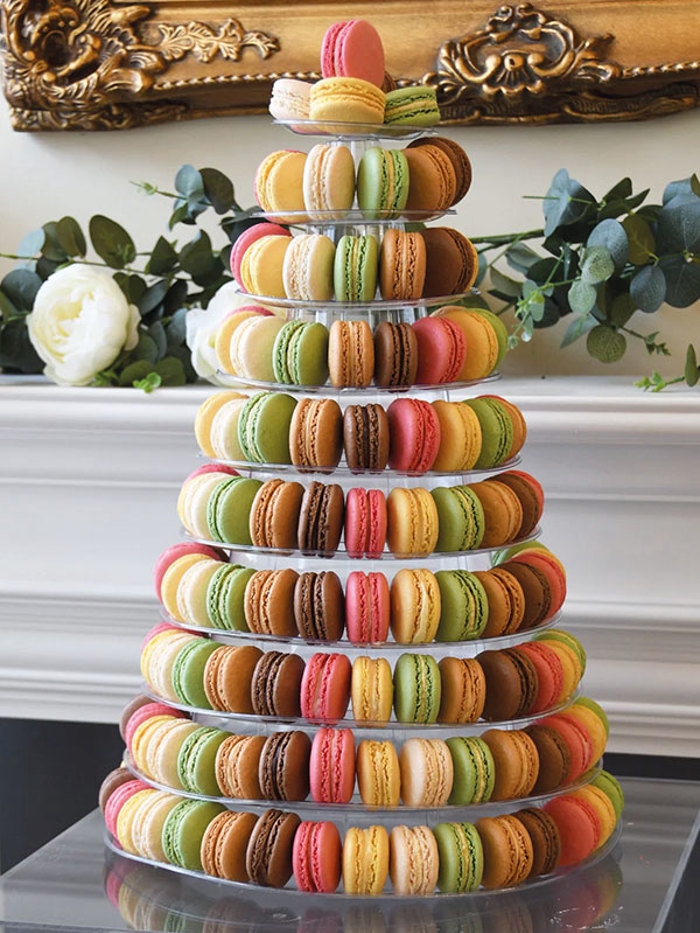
(89, 480)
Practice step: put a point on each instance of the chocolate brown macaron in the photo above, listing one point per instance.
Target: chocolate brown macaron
(452, 262)
(511, 684)
(283, 770)
(506, 601)
(463, 690)
(395, 354)
(269, 602)
(457, 156)
(224, 845)
(537, 590)
(276, 686)
(546, 842)
(269, 851)
(319, 606)
(321, 518)
(554, 755)
(316, 433)
(366, 437)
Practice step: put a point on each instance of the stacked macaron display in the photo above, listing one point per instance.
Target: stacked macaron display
(299, 707)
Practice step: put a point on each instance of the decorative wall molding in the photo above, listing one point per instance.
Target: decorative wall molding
(89, 480)
(108, 64)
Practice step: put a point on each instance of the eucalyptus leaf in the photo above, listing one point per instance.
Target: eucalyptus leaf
(648, 289)
(183, 354)
(218, 188)
(32, 243)
(52, 249)
(175, 297)
(139, 369)
(157, 334)
(16, 350)
(605, 344)
(21, 287)
(474, 301)
(7, 309)
(692, 373)
(45, 267)
(188, 181)
(482, 269)
(520, 257)
(153, 296)
(171, 371)
(132, 285)
(146, 349)
(679, 225)
(179, 215)
(580, 325)
(542, 270)
(597, 264)
(71, 237)
(504, 283)
(550, 314)
(683, 186)
(163, 257)
(621, 190)
(682, 281)
(611, 235)
(111, 241)
(621, 309)
(640, 238)
(695, 184)
(176, 328)
(582, 296)
(196, 257)
(566, 202)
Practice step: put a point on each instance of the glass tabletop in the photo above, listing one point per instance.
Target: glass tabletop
(74, 884)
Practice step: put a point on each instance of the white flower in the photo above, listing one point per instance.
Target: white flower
(80, 323)
(202, 325)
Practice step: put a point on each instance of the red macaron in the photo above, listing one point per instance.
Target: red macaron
(332, 766)
(579, 827)
(414, 435)
(441, 350)
(246, 239)
(367, 607)
(316, 857)
(325, 687)
(365, 522)
(148, 712)
(353, 49)
(553, 571)
(550, 676)
(578, 740)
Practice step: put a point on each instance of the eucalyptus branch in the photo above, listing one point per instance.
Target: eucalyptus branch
(82, 261)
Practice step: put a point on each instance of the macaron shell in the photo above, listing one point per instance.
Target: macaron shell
(332, 766)
(602, 804)
(224, 845)
(506, 602)
(516, 763)
(353, 49)
(347, 100)
(412, 521)
(460, 437)
(550, 675)
(415, 606)
(350, 353)
(461, 857)
(329, 178)
(579, 827)
(261, 274)
(554, 758)
(441, 350)
(417, 688)
(544, 835)
(414, 429)
(246, 238)
(183, 830)
(378, 774)
(481, 341)
(325, 687)
(463, 690)
(427, 772)
(365, 860)
(508, 854)
(316, 857)
(474, 770)
(371, 689)
(269, 851)
(414, 863)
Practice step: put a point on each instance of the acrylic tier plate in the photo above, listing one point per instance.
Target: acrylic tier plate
(343, 129)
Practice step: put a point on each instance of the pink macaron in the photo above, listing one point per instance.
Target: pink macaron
(211, 468)
(148, 712)
(156, 630)
(171, 554)
(316, 857)
(365, 522)
(332, 766)
(325, 687)
(550, 675)
(246, 239)
(367, 607)
(117, 800)
(353, 49)
(414, 435)
(441, 350)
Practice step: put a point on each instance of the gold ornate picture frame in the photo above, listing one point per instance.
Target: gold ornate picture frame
(109, 64)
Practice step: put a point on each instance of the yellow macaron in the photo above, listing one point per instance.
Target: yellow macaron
(205, 417)
(171, 582)
(460, 437)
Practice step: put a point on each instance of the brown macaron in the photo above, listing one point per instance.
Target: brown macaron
(236, 766)
(432, 179)
(228, 674)
(507, 849)
(503, 514)
(276, 686)
(506, 601)
(321, 518)
(319, 606)
(274, 515)
(269, 851)
(395, 354)
(283, 770)
(366, 437)
(129, 710)
(269, 602)
(511, 684)
(529, 501)
(463, 690)
(544, 835)
(402, 265)
(224, 845)
(459, 158)
(350, 354)
(452, 262)
(537, 590)
(516, 763)
(316, 433)
(554, 755)
(114, 779)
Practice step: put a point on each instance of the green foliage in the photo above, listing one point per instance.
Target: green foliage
(170, 278)
(605, 261)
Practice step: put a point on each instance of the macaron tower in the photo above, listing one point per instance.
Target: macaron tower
(359, 683)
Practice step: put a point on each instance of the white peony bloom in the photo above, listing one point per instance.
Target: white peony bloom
(80, 323)
(202, 325)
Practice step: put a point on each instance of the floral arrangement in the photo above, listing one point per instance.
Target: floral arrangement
(110, 315)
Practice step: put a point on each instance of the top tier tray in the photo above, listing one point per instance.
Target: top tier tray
(351, 216)
(342, 129)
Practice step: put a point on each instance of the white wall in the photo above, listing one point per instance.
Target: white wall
(44, 176)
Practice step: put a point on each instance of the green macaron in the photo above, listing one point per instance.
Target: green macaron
(307, 355)
(263, 427)
(415, 106)
(280, 350)
(598, 710)
(417, 688)
(183, 830)
(228, 509)
(461, 857)
(464, 606)
(460, 518)
(355, 268)
(188, 672)
(566, 638)
(196, 761)
(225, 597)
(496, 431)
(611, 788)
(382, 181)
(474, 770)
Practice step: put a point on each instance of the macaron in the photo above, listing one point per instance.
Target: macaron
(578, 741)
(346, 100)
(371, 689)
(276, 684)
(205, 417)
(395, 354)
(460, 437)
(317, 857)
(474, 770)
(366, 522)
(432, 179)
(602, 804)
(183, 831)
(461, 857)
(274, 514)
(261, 274)
(229, 507)
(516, 763)
(531, 497)
(228, 675)
(269, 602)
(611, 787)
(328, 183)
(125, 819)
(496, 431)
(307, 271)
(482, 354)
(192, 592)
(503, 514)
(519, 425)
(544, 835)
(538, 596)
(415, 606)
(237, 766)
(289, 100)
(223, 437)
(263, 427)
(269, 850)
(353, 49)
(163, 751)
(554, 757)
(413, 524)
(195, 761)
(378, 775)
(412, 106)
(550, 675)
(355, 268)
(579, 827)
(226, 597)
(402, 265)
(464, 607)
(463, 690)
(147, 826)
(597, 709)
(116, 801)
(457, 156)
(496, 322)
(350, 354)
(441, 350)
(427, 772)
(367, 607)
(414, 432)
(365, 860)
(460, 517)
(226, 330)
(247, 238)
(382, 182)
(452, 262)
(332, 766)
(325, 687)
(417, 688)
(172, 553)
(132, 706)
(414, 864)
(300, 353)
(278, 181)
(506, 601)
(511, 684)
(366, 437)
(283, 771)
(188, 672)
(508, 854)
(321, 517)
(559, 637)
(224, 844)
(112, 781)
(319, 606)
(316, 433)
(192, 509)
